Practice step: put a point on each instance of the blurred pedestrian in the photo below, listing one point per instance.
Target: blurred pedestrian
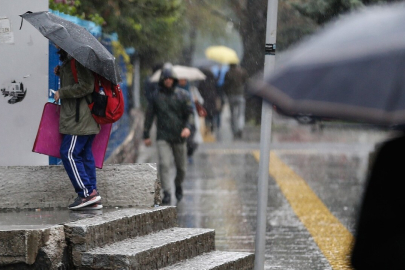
(174, 113)
(219, 72)
(234, 89)
(212, 100)
(380, 235)
(79, 129)
(195, 137)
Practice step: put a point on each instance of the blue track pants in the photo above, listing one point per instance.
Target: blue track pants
(77, 158)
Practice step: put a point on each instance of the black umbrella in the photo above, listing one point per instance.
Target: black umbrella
(353, 69)
(77, 42)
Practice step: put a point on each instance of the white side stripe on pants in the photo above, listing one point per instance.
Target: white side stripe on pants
(73, 165)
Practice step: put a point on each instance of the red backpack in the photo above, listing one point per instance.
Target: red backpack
(107, 107)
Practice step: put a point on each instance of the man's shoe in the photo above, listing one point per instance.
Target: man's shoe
(94, 206)
(82, 202)
(179, 193)
(166, 198)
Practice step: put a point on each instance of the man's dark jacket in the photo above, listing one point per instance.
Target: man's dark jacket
(380, 232)
(174, 112)
(235, 80)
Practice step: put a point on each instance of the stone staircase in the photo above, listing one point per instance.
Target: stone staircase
(146, 238)
(129, 233)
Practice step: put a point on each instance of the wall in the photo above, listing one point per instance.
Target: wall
(49, 187)
(23, 58)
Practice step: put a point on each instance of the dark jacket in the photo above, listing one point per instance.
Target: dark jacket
(69, 93)
(235, 80)
(380, 234)
(174, 112)
(209, 93)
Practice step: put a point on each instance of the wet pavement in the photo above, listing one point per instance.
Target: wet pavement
(41, 218)
(220, 191)
(224, 198)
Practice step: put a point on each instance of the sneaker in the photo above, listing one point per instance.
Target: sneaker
(179, 193)
(94, 206)
(166, 199)
(82, 202)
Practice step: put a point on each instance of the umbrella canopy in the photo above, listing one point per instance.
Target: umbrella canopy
(222, 54)
(77, 42)
(182, 72)
(353, 69)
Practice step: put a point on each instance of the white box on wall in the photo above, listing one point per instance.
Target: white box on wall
(23, 60)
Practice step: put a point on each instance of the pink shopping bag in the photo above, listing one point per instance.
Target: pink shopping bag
(49, 139)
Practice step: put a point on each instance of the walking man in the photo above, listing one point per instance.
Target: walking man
(234, 88)
(174, 113)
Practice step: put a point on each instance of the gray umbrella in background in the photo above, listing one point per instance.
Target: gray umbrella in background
(353, 69)
(77, 42)
(182, 72)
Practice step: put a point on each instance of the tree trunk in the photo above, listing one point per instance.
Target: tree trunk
(188, 51)
(252, 29)
(253, 32)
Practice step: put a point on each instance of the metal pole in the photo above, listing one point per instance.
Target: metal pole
(136, 82)
(265, 136)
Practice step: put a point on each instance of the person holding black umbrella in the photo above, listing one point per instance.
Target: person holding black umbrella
(79, 129)
(342, 73)
(76, 122)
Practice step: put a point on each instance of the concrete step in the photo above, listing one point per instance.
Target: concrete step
(218, 260)
(111, 227)
(153, 251)
(23, 245)
(39, 187)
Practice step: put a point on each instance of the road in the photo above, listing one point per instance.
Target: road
(316, 180)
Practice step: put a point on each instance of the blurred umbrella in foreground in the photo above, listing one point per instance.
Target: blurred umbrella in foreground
(77, 42)
(222, 54)
(182, 72)
(353, 69)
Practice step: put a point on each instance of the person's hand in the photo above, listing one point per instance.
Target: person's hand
(56, 70)
(56, 96)
(148, 142)
(185, 133)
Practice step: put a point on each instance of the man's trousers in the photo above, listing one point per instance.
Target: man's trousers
(237, 106)
(77, 158)
(166, 151)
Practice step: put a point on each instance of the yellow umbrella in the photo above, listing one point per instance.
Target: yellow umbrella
(222, 54)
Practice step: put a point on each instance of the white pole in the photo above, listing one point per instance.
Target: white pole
(265, 136)
(136, 83)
